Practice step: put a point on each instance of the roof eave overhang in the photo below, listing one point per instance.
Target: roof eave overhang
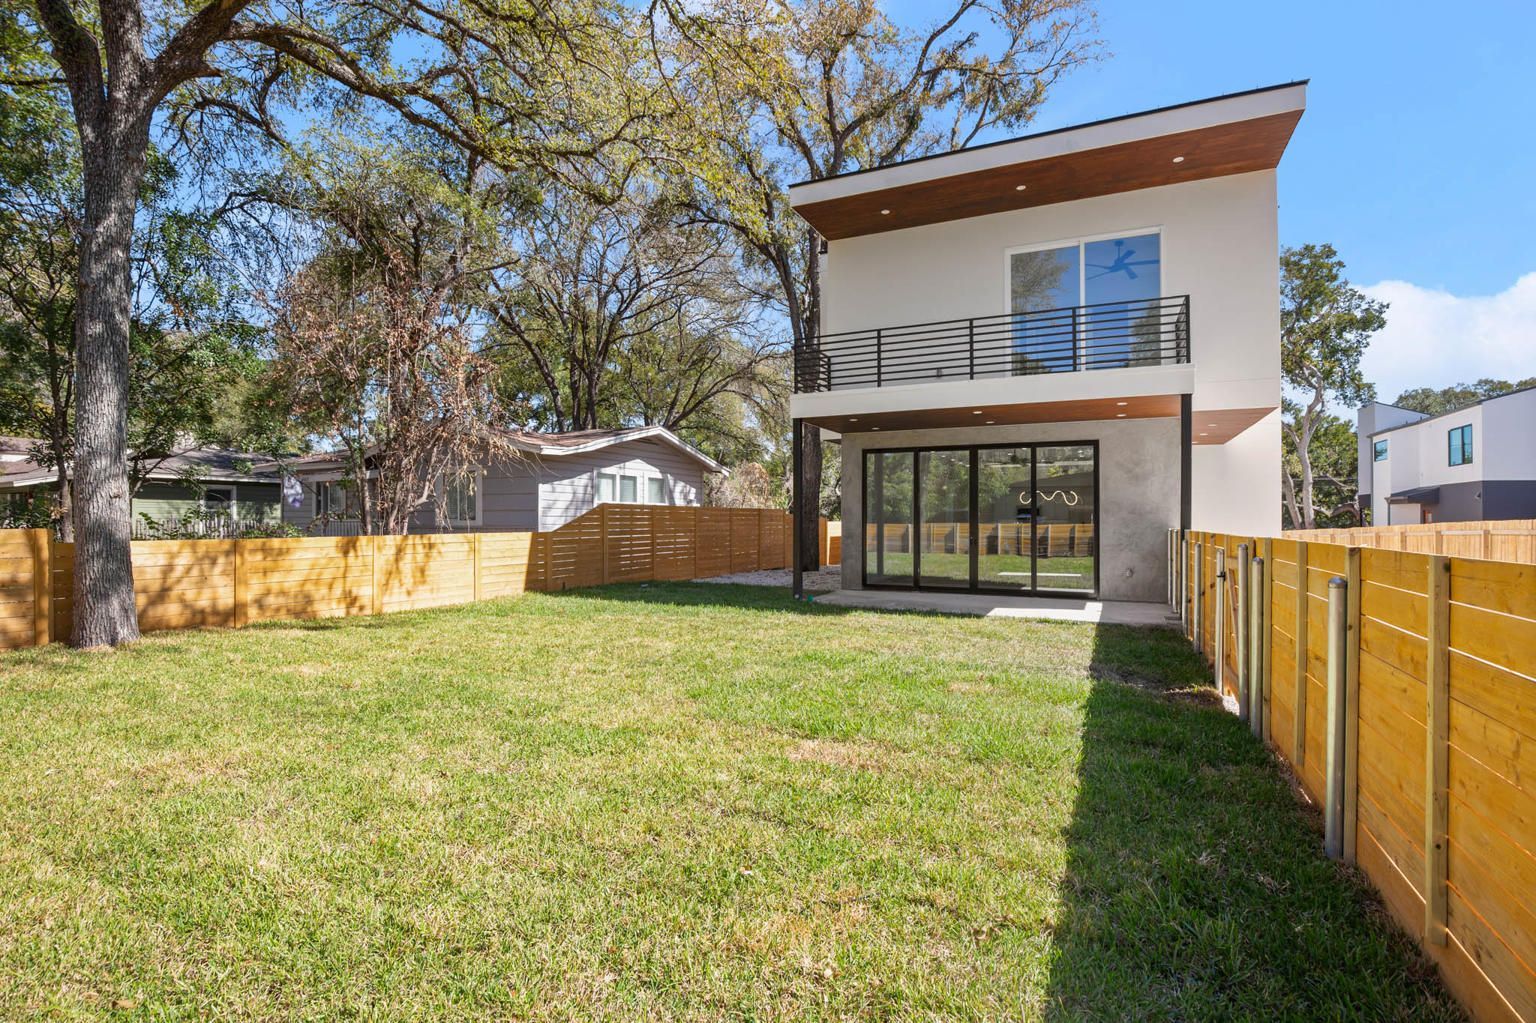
(1227, 135)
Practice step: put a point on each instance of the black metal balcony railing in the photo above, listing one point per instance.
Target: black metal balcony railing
(1109, 335)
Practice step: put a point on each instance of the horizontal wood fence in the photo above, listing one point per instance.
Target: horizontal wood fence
(1419, 721)
(183, 584)
(1505, 540)
(1057, 539)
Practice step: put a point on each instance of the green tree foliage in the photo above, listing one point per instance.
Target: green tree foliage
(1335, 473)
(771, 92)
(1432, 401)
(187, 346)
(1325, 325)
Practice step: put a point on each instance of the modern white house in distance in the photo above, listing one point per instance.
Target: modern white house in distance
(1040, 355)
(549, 479)
(1473, 464)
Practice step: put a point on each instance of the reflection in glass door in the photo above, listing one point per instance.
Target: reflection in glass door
(1065, 501)
(888, 520)
(1017, 518)
(944, 528)
(1005, 513)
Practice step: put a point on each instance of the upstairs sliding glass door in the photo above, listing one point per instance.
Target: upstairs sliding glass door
(1013, 519)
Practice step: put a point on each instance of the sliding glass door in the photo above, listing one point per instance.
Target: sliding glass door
(1004, 488)
(888, 523)
(1018, 518)
(1066, 500)
(944, 536)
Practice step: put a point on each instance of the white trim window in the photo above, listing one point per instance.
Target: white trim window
(1087, 303)
(461, 498)
(616, 487)
(656, 491)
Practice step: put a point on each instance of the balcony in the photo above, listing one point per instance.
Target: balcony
(1110, 335)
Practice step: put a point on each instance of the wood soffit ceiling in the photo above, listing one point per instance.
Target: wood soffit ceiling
(1209, 426)
(1233, 148)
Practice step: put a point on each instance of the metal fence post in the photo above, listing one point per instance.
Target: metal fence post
(1333, 806)
(1184, 581)
(1256, 643)
(1221, 619)
(1240, 634)
(1198, 600)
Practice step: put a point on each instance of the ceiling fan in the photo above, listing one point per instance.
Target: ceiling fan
(1122, 264)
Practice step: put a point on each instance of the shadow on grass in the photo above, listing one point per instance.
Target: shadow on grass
(1195, 886)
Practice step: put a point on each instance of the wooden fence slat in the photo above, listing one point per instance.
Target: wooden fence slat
(42, 587)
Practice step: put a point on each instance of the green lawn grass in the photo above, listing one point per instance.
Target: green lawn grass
(663, 802)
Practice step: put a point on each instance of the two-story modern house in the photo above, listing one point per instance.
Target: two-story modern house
(1041, 354)
(1472, 464)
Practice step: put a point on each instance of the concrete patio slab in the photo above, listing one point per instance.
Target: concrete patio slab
(1104, 612)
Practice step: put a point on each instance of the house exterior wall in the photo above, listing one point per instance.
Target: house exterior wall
(545, 492)
(1368, 420)
(1499, 483)
(1138, 492)
(1220, 246)
(568, 484)
(254, 502)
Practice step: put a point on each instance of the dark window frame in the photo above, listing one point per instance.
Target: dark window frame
(1034, 589)
(1458, 441)
(1379, 451)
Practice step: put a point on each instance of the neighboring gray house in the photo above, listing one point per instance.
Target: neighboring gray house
(1472, 464)
(212, 479)
(550, 479)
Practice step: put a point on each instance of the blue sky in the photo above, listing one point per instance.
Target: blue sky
(1416, 157)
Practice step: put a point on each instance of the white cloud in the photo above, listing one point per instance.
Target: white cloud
(1435, 339)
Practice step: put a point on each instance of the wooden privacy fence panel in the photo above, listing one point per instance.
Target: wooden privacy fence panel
(1438, 778)
(1501, 540)
(183, 584)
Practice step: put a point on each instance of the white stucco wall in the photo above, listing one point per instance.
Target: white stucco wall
(1220, 246)
(1510, 426)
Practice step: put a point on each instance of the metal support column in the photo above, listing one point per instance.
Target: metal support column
(797, 497)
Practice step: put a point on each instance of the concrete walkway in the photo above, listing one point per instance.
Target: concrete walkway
(1105, 612)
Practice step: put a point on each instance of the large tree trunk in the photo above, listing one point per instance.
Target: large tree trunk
(104, 612)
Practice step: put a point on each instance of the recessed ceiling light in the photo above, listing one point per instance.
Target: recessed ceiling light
(1178, 159)
(885, 213)
(1122, 404)
(1210, 426)
(876, 428)
(1119, 415)
(853, 419)
(991, 421)
(1019, 188)
(977, 412)
(1202, 435)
